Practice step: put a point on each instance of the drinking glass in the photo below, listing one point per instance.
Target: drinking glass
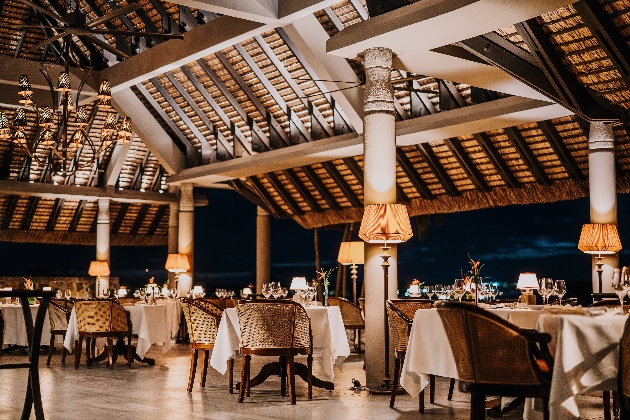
(276, 290)
(621, 285)
(459, 288)
(439, 290)
(548, 289)
(143, 295)
(560, 290)
(68, 294)
(284, 292)
(429, 292)
(59, 294)
(266, 290)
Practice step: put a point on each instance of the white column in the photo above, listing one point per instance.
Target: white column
(263, 248)
(102, 242)
(173, 233)
(379, 143)
(602, 184)
(186, 234)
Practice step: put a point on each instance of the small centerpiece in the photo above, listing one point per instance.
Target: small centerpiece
(27, 284)
(414, 288)
(324, 277)
(473, 277)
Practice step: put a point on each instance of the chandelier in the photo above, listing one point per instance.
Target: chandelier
(62, 131)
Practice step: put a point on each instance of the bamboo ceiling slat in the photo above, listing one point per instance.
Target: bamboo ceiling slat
(42, 214)
(66, 215)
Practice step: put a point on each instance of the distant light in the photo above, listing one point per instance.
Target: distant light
(161, 190)
(141, 189)
(77, 185)
(120, 188)
(55, 183)
(31, 181)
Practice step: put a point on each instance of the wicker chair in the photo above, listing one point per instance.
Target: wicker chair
(275, 328)
(494, 357)
(1, 332)
(623, 377)
(101, 318)
(351, 315)
(59, 311)
(400, 313)
(202, 320)
(128, 300)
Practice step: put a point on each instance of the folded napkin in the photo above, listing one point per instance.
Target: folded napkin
(563, 310)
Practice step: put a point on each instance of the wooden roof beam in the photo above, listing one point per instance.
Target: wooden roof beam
(304, 192)
(76, 217)
(410, 171)
(155, 223)
(262, 193)
(241, 188)
(351, 196)
(527, 155)
(438, 170)
(321, 188)
(497, 160)
(561, 150)
(139, 218)
(8, 214)
(54, 214)
(119, 218)
(467, 164)
(30, 213)
(283, 193)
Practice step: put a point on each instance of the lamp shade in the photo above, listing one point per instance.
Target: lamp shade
(599, 238)
(385, 223)
(98, 269)
(527, 281)
(298, 283)
(351, 253)
(177, 263)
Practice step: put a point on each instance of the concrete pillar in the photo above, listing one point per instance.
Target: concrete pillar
(173, 233)
(602, 184)
(379, 143)
(102, 242)
(186, 234)
(263, 248)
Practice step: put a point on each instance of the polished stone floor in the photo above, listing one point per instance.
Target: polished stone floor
(159, 392)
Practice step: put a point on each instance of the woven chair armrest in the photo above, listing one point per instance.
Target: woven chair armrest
(537, 336)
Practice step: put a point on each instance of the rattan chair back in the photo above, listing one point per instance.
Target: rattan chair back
(624, 366)
(274, 325)
(488, 349)
(101, 316)
(202, 318)
(128, 300)
(350, 313)
(59, 313)
(400, 314)
(362, 306)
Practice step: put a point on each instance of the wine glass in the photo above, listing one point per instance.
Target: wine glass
(549, 285)
(143, 294)
(429, 291)
(266, 290)
(284, 292)
(68, 294)
(560, 290)
(276, 290)
(59, 294)
(439, 290)
(621, 285)
(459, 288)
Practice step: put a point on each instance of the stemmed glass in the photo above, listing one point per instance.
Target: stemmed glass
(284, 292)
(276, 290)
(621, 285)
(459, 289)
(560, 289)
(266, 290)
(439, 290)
(59, 294)
(68, 294)
(429, 291)
(545, 288)
(143, 294)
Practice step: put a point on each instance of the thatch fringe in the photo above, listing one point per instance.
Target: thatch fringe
(79, 238)
(533, 193)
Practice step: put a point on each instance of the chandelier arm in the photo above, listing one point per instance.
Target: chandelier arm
(44, 72)
(84, 79)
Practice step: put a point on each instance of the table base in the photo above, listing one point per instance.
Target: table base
(278, 369)
(120, 349)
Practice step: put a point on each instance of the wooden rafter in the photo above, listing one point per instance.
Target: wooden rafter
(8, 214)
(30, 212)
(119, 217)
(467, 164)
(283, 193)
(276, 210)
(321, 188)
(497, 160)
(561, 150)
(155, 223)
(304, 192)
(139, 218)
(351, 196)
(438, 170)
(410, 171)
(76, 218)
(527, 155)
(54, 214)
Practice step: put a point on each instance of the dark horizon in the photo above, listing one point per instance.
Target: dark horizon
(541, 238)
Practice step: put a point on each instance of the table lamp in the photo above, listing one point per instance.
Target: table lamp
(383, 223)
(298, 283)
(98, 269)
(351, 253)
(599, 238)
(527, 282)
(177, 263)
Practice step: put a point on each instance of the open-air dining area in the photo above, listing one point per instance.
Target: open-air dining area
(309, 209)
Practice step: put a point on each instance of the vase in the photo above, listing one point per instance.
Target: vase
(325, 295)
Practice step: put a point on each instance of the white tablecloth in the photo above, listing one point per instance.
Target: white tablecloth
(15, 329)
(429, 351)
(586, 358)
(151, 323)
(329, 338)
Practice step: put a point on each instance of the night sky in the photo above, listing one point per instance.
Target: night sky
(541, 238)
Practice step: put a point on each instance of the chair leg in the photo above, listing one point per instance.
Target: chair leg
(110, 352)
(477, 407)
(63, 350)
(545, 408)
(204, 368)
(451, 387)
(432, 389)
(421, 402)
(245, 366)
(77, 351)
(359, 343)
(193, 368)
(129, 351)
(231, 376)
(50, 348)
(615, 404)
(291, 375)
(309, 368)
(88, 340)
(397, 369)
(283, 376)
(606, 398)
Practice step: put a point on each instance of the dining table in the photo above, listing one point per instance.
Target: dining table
(153, 324)
(330, 345)
(15, 329)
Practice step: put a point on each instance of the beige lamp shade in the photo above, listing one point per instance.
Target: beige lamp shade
(99, 269)
(351, 253)
(599, 238)
(527, 281)
(299, 283)
(177, 263)
(385, 223)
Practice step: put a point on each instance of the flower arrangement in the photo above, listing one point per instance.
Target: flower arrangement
(473, 276)
(414, 289)
(324, 279)
(26, 284)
